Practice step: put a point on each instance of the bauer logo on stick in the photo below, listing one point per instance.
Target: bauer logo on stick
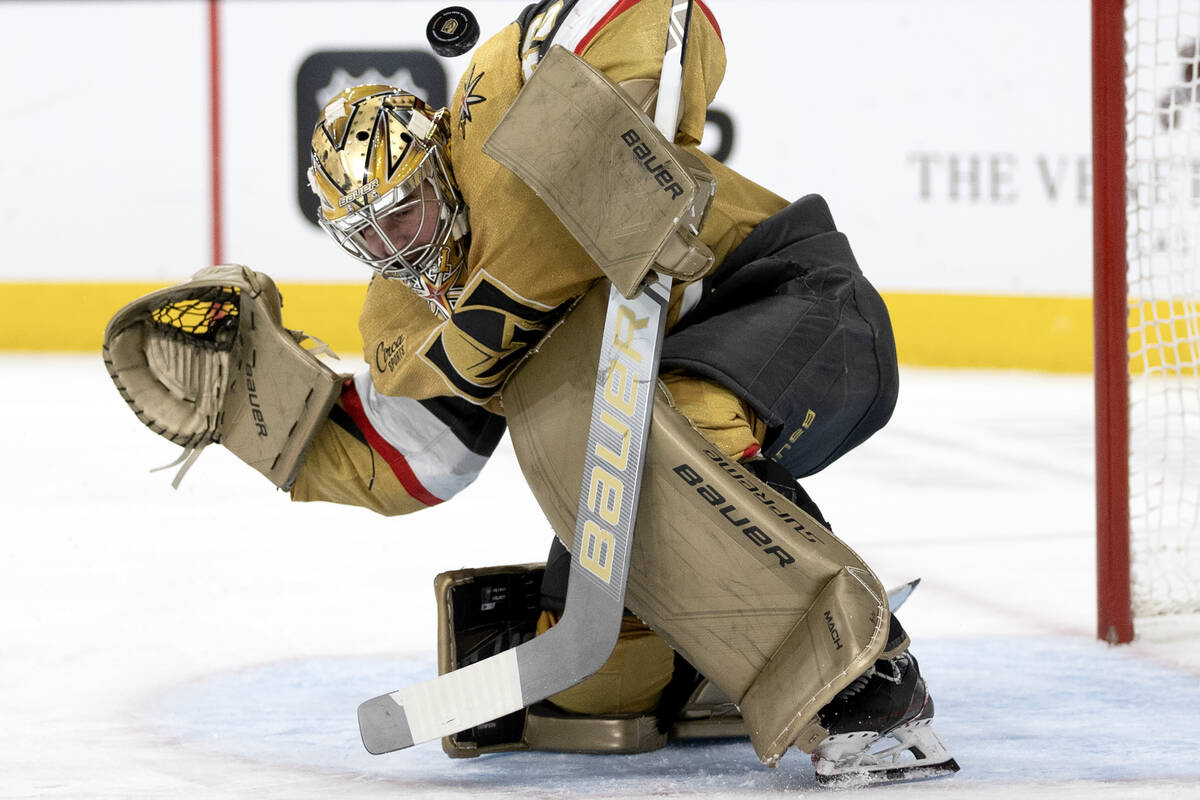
(612, 472)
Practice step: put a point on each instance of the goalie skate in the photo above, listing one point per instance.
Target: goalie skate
(880, 730)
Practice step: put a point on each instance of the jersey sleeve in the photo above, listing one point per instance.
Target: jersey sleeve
(625, 39)
(396, 455)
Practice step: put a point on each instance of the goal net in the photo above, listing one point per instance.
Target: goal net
(1155, 360)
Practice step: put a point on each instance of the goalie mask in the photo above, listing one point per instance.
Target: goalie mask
(381, 169)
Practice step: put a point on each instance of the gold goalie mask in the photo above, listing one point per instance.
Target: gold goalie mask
(381, 169)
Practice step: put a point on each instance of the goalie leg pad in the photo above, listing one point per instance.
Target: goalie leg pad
(760, 597)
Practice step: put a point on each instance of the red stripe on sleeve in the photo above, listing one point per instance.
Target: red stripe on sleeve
(394, 458)
(711, 20)
(625, 5)
(612, 14)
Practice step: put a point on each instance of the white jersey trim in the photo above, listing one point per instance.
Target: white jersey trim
(581, 19)
(440, 461)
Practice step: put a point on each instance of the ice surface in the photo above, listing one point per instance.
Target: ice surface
(214, 642)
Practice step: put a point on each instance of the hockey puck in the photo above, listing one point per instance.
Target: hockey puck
(452, 31)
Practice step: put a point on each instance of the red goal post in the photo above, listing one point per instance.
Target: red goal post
(1109, 295)
(1146, 291)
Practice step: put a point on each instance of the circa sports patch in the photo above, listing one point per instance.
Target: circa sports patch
(388, 353)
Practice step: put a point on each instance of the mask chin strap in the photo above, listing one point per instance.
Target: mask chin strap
(460, 227)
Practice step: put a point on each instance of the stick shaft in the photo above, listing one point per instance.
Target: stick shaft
(670, 82)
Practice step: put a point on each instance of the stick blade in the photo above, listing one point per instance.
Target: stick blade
(898, 594)
(383, 725)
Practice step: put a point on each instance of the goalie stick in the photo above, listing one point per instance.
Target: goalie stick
(584, 638)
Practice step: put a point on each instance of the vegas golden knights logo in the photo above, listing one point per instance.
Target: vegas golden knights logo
(490, 331)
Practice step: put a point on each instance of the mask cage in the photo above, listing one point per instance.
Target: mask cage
(429, 268)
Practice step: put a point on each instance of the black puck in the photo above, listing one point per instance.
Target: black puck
(452, 31)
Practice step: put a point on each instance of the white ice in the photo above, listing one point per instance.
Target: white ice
(214, 642)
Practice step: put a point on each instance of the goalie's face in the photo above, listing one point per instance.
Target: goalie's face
(407, 229)
(380, 168)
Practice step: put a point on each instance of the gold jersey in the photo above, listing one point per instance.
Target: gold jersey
(382, 449)
(523, 266)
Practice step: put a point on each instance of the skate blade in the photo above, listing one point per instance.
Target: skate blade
(909, 752)
(912, 773)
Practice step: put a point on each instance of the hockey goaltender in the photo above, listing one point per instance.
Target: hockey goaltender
(495, 230)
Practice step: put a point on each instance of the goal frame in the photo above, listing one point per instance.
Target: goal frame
(1110, 318)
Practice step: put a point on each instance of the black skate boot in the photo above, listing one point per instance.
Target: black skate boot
(879, 726)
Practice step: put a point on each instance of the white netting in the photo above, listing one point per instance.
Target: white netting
(1163, 205)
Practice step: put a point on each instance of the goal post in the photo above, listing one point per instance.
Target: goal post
(1109, 297)
(1146, 293)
